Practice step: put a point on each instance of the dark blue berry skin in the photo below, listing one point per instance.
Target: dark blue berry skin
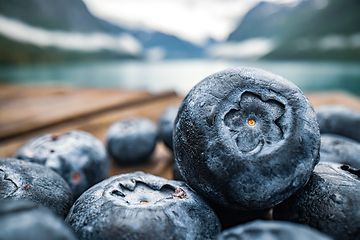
(246, 138)
(142, 206)
(131, 141)
(166, 125)
(21, 220)
(176, 173)
(79, 157)
(20, 180)
(274, 230)
(230, 217)
(329, 202)
(340, 120)
(339, 149)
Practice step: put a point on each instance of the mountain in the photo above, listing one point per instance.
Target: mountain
(48, 30)
(169, 46)
(312, 29)
(263, 21)
(66, 15)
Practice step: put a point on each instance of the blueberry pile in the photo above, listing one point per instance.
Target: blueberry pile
(247, 145)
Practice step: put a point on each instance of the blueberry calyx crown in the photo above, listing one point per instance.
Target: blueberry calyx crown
(351, 170)
(137, 192)
(255, 122)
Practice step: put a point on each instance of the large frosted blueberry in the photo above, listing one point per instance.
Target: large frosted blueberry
(131, 141)
(330, 202)
(340, 120)
(142, 206)
(246, 138)
(166, 125)
(271, 230)
(340, 149)
(79, 157)
(30, 221)
(20, 180)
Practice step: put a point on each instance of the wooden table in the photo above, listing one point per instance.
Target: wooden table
(29, 111)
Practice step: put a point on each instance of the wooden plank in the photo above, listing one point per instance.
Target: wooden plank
(25, 108)
(21, 91)
(343, 98)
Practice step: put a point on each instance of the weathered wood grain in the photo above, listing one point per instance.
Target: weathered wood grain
(25, 108)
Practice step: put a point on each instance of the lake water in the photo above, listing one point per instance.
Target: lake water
(180, 75)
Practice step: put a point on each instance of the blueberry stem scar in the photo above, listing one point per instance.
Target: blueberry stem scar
(350, 170)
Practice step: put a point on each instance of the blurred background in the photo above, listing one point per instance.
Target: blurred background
(162, 45)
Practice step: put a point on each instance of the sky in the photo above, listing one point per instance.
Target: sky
(191, 20)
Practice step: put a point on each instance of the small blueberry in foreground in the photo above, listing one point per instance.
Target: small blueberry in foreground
(79, 157)
(340, 149)
(166, 125)
(329, 202)
(339, 119)
(246, 138)
(142, 206)
(22, 180)
(131, 141)
(274, 230)
(30, 221)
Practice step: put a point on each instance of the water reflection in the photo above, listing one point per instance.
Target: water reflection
(180, 75)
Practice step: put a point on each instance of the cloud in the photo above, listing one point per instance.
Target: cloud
(194, 21)
(16, 30)
(191, 20)
(249, 49)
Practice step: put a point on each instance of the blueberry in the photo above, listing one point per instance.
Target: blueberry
(274, 230)
(330, 202)
(176, 173)
(131, 141)
(28, 220)
(339, 119)
(246, 138)
(22, 180)
(232, 217)
(79, 157)
(142, 206)
(339, 149)
(166, 125)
